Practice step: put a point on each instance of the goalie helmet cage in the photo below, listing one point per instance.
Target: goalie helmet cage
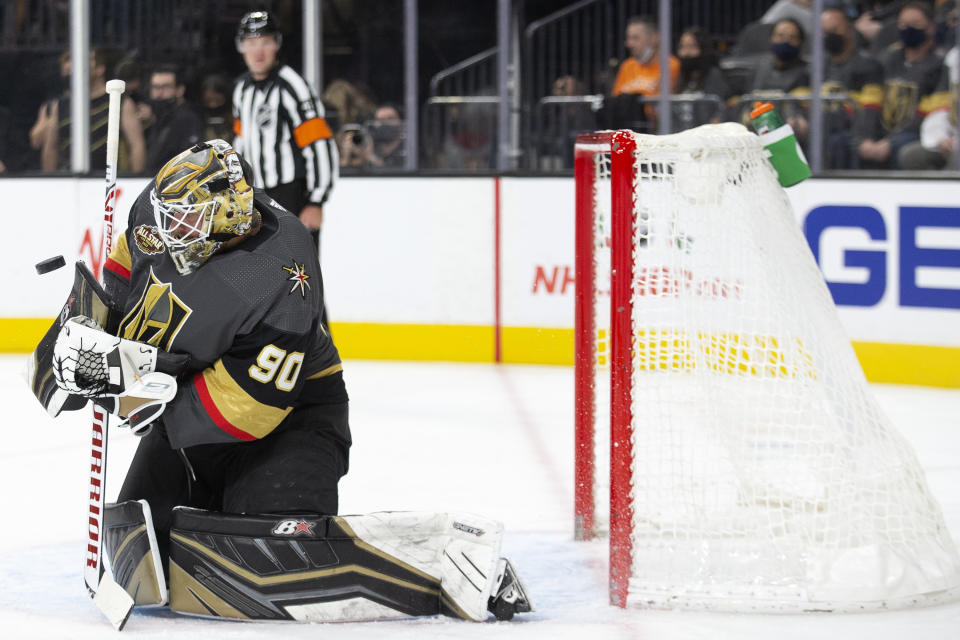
(750, 469)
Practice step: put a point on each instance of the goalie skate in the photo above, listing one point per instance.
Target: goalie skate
(510, 596)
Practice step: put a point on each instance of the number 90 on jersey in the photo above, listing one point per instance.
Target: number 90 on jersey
(275, 364)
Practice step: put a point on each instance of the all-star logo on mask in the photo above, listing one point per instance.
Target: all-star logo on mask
(299, 277)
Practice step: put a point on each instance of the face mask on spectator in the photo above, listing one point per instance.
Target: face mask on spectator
(693, 63)
(834, 43)
(912, 37)
(162, 108)
(784, 51)
(384, 133)
(645, 55)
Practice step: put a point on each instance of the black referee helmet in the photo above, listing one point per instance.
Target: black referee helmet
(257, 23)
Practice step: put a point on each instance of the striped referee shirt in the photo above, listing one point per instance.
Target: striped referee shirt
(282, 133)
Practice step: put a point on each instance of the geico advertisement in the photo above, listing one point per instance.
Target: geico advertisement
(889, 251)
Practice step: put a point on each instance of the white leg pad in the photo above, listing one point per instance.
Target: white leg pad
(459, 549)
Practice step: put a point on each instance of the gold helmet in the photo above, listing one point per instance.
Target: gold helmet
(200, 200)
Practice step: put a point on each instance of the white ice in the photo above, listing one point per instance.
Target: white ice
(495, 440)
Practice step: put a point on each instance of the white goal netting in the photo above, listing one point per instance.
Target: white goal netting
(762, 474)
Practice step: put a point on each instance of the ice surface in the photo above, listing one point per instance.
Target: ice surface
(495, 440)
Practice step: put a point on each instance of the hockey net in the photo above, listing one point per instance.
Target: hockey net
(725, 434)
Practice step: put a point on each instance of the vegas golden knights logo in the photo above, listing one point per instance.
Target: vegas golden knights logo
(157, 317)
(900, 100)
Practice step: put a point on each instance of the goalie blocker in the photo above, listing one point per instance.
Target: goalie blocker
(317, 568)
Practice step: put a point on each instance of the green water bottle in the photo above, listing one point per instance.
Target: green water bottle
(778, 139)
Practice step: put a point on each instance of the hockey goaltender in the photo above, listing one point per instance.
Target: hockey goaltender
(213, 295)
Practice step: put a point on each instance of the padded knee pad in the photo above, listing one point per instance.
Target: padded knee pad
(130, 548)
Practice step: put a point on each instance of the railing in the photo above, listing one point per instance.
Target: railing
(559, 119)
(583, 42)
(470, 77)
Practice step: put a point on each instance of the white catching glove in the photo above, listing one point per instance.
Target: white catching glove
(120, 374)
(90, 362)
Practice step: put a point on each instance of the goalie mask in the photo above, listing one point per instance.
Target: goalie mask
(200, 201)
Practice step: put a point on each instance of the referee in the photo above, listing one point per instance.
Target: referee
(280, 126)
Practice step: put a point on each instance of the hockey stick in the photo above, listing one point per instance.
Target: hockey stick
(111, 598)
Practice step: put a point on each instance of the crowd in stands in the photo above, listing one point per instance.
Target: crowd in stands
(890, 89)
(890, 79)
(159, 119)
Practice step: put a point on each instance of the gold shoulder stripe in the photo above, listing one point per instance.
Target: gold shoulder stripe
(329, 371)
(240, 408)
(121, 252)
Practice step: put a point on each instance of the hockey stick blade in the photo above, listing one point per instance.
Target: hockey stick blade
(113, 600)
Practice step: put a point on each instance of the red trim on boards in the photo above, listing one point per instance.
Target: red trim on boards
(497, 328)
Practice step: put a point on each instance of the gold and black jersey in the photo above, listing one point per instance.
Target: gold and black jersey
(911, 90)
(249, 319)
(98, 133)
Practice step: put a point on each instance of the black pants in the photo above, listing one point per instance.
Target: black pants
(294, 469)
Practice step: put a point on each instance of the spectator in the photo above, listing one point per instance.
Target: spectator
(638, 75)
(130, 72)
(559, 124)
(872, 17)
(53, 134)
(174, 126)
(349, 104)
(797, 10)
(217, 118)
(784, 70)
(280, 126)
(699, 74)
(468, 138)
(946, 19)
(377, 144)
(938, 131)
(849, 72)
(640, 72)
(46, 124)
(912, 76)
(387, 131)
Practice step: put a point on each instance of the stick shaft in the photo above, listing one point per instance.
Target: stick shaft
(93, 564)
(115, 90)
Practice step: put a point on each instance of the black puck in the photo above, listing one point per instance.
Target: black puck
(50, 264)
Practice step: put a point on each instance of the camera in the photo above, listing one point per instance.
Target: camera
(355, 133)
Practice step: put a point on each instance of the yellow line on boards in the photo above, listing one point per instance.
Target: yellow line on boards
(881, 362)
